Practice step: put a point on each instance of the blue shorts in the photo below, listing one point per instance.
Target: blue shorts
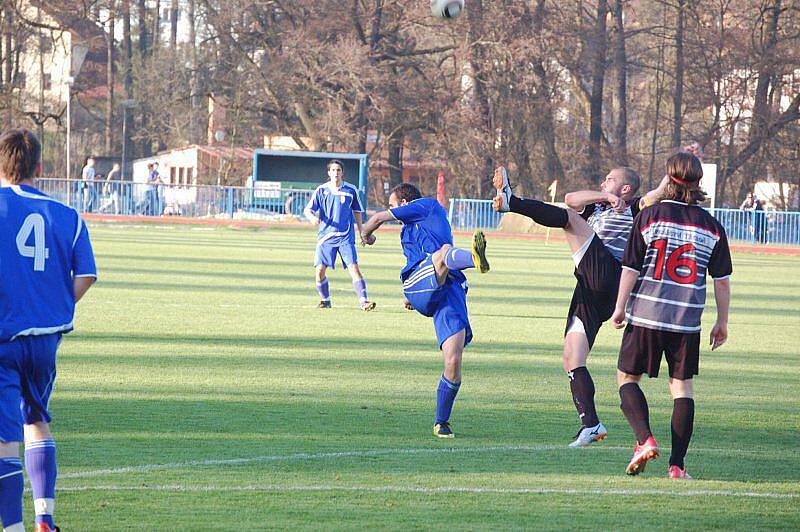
(27, 373)
(446, 304)
(326, 254)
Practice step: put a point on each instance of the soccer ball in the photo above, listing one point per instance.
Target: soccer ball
(447, 8)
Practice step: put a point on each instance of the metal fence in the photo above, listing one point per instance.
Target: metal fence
(473, 214)
(197, 201)
(756, 227)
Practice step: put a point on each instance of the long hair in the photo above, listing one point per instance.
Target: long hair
(684, 171)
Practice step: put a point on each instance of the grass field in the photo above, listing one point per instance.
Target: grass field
(202, 390)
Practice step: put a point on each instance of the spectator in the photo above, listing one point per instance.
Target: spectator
(759, 220)
(111, 190)
(87, 184)
(156, 191)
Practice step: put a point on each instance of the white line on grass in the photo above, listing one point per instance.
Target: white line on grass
(442, 490)
(386, 452)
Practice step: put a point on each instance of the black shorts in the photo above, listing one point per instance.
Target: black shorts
(595, 294)
(642, 348)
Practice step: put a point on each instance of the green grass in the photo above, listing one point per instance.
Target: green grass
(202, 345)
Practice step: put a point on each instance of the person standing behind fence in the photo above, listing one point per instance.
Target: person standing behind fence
(156, 191)
(87, 185)
(759, 220)
(110, 190)
(334, 207)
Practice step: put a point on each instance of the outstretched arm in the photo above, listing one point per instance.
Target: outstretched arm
(373, 224)
(581, 198)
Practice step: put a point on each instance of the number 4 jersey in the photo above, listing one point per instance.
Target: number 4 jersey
(43, 245)
(671, 246)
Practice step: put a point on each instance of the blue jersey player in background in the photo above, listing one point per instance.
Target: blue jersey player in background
(46, 266)
(334, 207)
(433, 282)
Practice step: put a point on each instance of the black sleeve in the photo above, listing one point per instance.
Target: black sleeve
(588, 211)
(720, 264)
(635, 249)
(636, 206)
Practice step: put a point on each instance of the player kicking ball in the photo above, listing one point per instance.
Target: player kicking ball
(671, 247)
(434, 283)
(596, 227)
(334, 207)
(48, 265)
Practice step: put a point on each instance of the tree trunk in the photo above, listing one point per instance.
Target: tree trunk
(761, 108)
(596, 99)
(173, 26)
(620, 58)
(477, 55)
(395, 143)
(677, 97)
(553, 166)
(128, 47)
(109, 122)
(142, 15)
(194, 81)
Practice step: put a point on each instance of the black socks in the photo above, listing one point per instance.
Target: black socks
(682, 425)
(540, 212)
(634, 406)
(582, 387)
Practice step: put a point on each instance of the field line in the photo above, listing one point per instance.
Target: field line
(387, 452)
(441, 490)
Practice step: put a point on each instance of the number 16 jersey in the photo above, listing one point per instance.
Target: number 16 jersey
(43, 245)
(671, 246)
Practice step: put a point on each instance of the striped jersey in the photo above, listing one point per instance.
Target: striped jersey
(335, 207)
(610, 226)
(671, 246)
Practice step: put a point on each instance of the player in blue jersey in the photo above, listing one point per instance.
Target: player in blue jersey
(47, 265)
(433, 282)
(334, 207)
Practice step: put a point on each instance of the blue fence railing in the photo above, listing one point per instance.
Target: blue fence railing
(140, 199)
(473, 214)
(756, 227)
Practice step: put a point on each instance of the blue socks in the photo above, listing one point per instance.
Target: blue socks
(445, 396)
(360, 287)
(459, 259)
(323, 290)
(11, 485)
(40, 462)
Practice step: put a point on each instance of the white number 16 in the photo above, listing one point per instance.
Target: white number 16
(33, 223)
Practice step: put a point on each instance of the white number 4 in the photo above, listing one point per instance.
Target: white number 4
(34, 223)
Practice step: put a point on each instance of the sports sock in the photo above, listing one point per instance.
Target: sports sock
(682, 425)
(459, 259)
(582, 387)
(445, 395)
(323, 290)
(360, 287)
(634, 406)
(540, 212)
(40, 462)
(11, 485)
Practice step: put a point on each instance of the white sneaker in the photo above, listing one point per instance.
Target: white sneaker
(588, 435)
(500, 181)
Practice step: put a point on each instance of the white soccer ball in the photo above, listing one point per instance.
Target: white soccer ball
(447, 8)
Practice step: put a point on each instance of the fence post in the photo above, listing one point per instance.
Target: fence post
(450, 211)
